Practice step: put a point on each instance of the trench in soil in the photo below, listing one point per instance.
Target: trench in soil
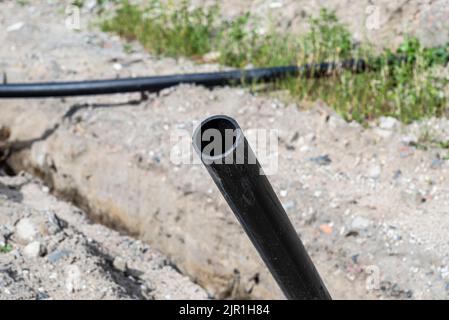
(74, 197)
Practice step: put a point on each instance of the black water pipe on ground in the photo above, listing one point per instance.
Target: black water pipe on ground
(237, 173)
(158, 83)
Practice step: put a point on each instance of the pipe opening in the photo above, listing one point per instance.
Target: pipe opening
(216, 137)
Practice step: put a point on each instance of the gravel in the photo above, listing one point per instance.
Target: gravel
(79, 263)
(26, 230)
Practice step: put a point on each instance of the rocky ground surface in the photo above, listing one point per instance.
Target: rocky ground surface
(369, 203)
(52, 251)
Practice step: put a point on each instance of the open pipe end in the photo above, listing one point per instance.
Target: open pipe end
(217, 137)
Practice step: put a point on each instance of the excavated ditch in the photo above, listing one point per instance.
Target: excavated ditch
(370, 206)
(51, 250)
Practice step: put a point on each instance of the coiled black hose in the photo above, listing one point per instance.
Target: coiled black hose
(158, 83)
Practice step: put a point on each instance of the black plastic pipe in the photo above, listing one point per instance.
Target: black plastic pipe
(237, 173)
(158, 83)
(142, 84)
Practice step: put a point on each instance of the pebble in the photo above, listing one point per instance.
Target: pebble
(360, 223)
(15, 27)
(117, 66)
(326, 229)
(323, 160)
(120, 264)
(374, 172)
(26, 230)
(42, 296)
(410, 139)
(397, 174)
(56, 221)
(436, 163)
(34, 249)
(388, 123)
(57, 255)
(73, 280)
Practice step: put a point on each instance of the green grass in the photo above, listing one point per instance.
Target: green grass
(408, 91)
(165, 31)
(78, 3)
(5, 248)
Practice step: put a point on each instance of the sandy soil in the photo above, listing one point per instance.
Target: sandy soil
(369, 204)
(56, 253)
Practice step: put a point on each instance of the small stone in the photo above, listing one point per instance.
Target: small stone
(388, 123)
(73, 280)
(360, 223)
(15, 27)
(42, 296)
(56, 221)
(57, 255)
(335, 122)
(117, 66)
(120, 264)
(5, 132)
(397, 174)
(326, 229)
(323, 160)
(34, 249)
(409, 140)
(374, 172)
(26, 230)
(436, 163)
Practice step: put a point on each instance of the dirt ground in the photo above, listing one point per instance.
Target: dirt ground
(56, 253)
(369, 203)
